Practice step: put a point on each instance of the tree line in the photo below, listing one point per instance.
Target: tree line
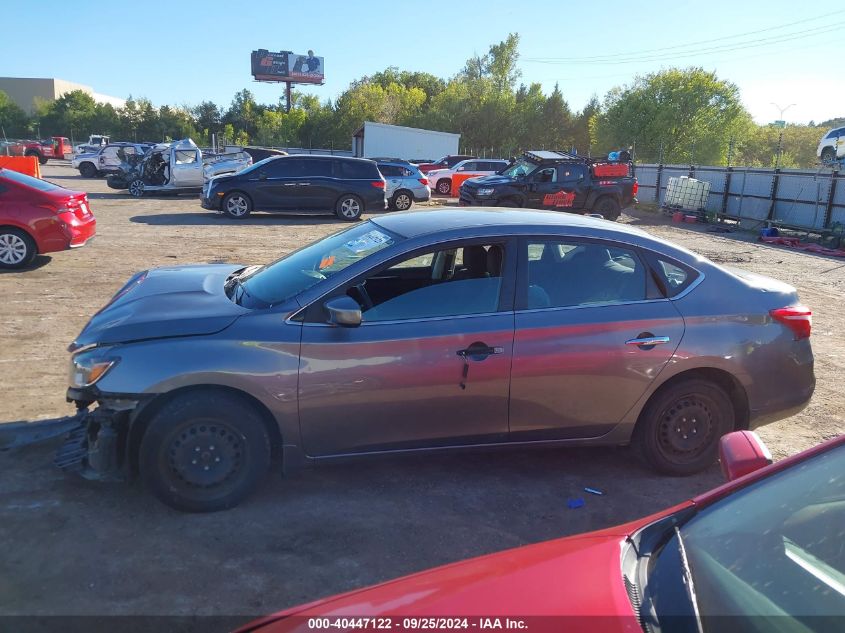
(673, 116)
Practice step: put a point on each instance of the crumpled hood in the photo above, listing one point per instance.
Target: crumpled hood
(165, 302)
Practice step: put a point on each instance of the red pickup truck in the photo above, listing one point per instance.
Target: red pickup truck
(54, 147)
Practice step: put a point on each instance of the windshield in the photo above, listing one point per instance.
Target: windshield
(29, 181)
(310, 265)
(260, 163)
(521, 167)
(775, 549)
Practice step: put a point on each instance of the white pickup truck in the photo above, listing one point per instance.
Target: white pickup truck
(95, 143)
(177, 167)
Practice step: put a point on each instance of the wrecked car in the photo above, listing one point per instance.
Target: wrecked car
(177, 167)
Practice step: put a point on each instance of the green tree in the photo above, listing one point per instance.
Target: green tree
(686, 115)
(13, 120)
(557, 122)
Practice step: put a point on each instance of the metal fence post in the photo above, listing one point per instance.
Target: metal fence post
(728, 173)
(774, 194)
(657, 182)
(831, 195)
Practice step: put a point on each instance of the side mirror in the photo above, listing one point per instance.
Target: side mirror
(742, 452)
(343, 311)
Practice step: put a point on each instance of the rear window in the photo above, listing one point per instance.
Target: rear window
(354, 169)
(318, 167)
(673, 276)
(28, 181)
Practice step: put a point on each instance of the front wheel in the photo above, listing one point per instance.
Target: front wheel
(204, 451)
(828, 155)
(17, 249)
(444, 186)
(136, 188)
(679, 430)
(237, 205)
(87, 170)
(608, 208)
(349, 208)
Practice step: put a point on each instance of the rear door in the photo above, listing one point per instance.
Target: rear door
(592, 333)
(317, 188)
(186, 167)
(108, 159)
(558, 187)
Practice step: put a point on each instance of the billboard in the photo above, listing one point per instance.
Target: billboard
(287, 66)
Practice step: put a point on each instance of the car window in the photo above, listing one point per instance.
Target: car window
(567, 273)
(110, 152)
(449, 282)
(547, 174)
(284, 168)
(571, 173)
(775, 547)
(390, 171)
(185, 156)
(317, 167)
(354, 169)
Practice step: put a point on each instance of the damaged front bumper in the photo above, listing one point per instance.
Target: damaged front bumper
(95, 443)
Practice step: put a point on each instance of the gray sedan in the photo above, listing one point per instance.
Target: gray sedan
(435, 329)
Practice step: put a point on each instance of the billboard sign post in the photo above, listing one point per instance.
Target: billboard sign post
(288, 68)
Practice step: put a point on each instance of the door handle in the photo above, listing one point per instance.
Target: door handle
(648, 341)
(303, 184)
(290, 184)
(475, 350)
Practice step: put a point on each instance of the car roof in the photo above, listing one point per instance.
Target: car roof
(426, 221)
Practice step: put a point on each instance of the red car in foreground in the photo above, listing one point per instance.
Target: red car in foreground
(764, 552)
(37, 216)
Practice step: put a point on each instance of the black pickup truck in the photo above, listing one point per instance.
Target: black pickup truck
(558, 181)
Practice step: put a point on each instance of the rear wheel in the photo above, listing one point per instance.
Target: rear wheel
(204, 451)
(401, 201)
(349, 208)
(828, 155)
(87, 170)
(680, 427)
(608, 207)
(17, 248)
(237, 205)
(444, 186)
(136, 188)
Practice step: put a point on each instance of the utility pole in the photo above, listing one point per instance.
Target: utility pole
(781, 123)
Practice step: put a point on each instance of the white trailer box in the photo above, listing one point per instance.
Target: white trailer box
(373, 140)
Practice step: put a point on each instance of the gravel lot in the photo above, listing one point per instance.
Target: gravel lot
(74, 548)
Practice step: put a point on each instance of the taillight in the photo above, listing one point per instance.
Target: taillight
(378, 184)
(423, 181)
(799, 319)
(635, 188)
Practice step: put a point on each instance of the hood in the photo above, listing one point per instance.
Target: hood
(165, 302)
(492, 180)
(578, 576)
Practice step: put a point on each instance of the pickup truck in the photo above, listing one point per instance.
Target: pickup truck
(177, 167)
(95, 143)
(557, 181)
(54, 147)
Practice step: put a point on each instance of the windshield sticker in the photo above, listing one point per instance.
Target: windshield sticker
(327, 261)
(367, 241)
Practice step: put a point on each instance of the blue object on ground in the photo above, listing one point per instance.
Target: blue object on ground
(575, 503)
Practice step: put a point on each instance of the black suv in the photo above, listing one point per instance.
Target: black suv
(558, 181)
(346, 186)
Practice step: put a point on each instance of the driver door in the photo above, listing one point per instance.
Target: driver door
(186, 168)
(428, 366)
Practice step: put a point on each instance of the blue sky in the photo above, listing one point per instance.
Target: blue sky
(186, 51)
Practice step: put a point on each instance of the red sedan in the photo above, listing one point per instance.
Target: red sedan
(764, 552)
(37, 216)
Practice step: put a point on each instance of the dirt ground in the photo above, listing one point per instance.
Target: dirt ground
(77, 548)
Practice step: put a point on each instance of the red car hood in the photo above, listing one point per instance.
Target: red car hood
(579, 577)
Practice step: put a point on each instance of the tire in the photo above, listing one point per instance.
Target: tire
(204, 451)
(38, 155)
(237, 205)
(608, 207)
(42, 159)
(828, 155)
(665, 431)
(17, 248)
(136, 188)
(349, 207)
(88, 170)
(402, 200)
(444, 186)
